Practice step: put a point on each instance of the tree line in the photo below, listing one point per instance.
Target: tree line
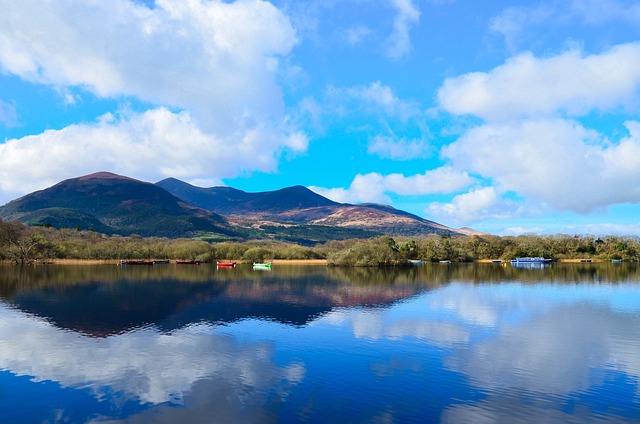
(22, 244)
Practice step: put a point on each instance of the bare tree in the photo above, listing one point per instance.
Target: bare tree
(22, 244)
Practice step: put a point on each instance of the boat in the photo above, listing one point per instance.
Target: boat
(161, 262)
(446, 261)
(496, 261)
(262, 266)
(226, 264)
(531, 260)
(416, 262)
(616, 261)
(585, 260)
(537, 262)
(188, 262)
(124, 263)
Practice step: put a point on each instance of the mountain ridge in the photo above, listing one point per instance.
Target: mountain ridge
(121, 204)
(116, 204)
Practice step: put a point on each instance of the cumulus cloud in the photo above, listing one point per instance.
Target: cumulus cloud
(216, 61)
(476, 205)
(527, 86)
(374, 187)
(555, 161)
(532, 142)
(150, 146)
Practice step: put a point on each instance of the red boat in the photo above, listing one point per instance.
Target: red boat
(188, 262)
(226, 264)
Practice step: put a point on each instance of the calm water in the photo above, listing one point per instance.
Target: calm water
(436, 343)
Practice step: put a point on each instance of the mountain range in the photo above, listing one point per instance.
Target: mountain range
(115, 204)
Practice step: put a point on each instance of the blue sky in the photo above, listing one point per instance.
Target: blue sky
(508, 117)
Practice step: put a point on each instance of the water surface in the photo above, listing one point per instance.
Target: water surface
(434, 343)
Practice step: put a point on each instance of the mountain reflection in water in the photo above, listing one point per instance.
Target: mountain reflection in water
(455, 343)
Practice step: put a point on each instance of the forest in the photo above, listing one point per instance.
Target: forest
(22, 244)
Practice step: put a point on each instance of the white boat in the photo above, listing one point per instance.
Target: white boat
(531, 260)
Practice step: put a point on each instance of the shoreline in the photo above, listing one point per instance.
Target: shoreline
(309, 262)
(315, 262)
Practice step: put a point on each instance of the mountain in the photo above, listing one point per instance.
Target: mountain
(115, 204)
(231, 201)
(299, 205)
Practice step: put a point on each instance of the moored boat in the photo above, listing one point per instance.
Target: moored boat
(262, 265)
(226, 264)
(161, 262)
(188, 262)
(531, 260)
(124, 263)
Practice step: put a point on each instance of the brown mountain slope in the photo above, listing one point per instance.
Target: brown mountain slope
(299, 205)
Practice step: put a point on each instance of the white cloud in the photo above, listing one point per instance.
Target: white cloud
(399, 149)
(512, 22)
(149, 146)
(531, 143)
(531, 23)
(374, 187)
(374, 98)
(476, 205)
(554, 161)
(215, 61)
(526, 86)
(398, 44)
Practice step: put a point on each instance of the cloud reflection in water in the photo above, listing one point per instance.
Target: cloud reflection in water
(147, 365)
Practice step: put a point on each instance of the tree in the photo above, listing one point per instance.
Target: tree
(22, 244)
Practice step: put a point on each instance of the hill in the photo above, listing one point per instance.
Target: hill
(231, 201)
(114, 204)
(301, 206)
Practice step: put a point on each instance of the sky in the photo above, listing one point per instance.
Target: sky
(509, 117)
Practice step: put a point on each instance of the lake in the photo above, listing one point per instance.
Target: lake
(468, 343)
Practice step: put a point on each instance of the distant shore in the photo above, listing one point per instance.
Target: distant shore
(308, 262)
(317, 262)
(555, 260)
